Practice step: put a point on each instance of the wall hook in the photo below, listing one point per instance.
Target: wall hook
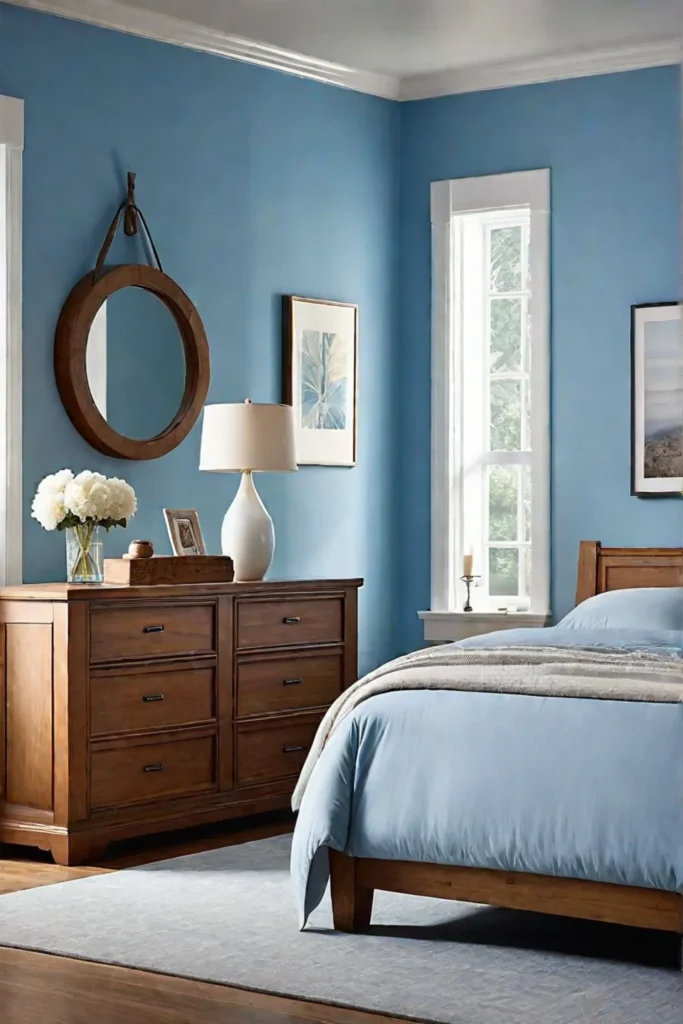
(130, 216)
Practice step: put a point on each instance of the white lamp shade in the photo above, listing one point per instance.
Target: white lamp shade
(247, 436)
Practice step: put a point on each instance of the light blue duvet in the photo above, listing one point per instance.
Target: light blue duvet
(572, 787)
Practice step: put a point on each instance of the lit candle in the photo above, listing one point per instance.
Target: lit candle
(467, 564)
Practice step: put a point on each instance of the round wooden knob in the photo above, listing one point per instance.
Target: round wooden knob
(140, 549)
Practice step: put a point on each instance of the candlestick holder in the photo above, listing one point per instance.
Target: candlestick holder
(468, 581)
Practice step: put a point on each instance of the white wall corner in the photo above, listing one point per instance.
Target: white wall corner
(11, 453)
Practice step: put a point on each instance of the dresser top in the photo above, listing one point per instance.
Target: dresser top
(106, 591)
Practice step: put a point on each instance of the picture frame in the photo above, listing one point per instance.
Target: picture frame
(184, 531)
(320, 378)
(656, 400)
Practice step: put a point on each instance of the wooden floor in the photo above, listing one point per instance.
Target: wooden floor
(39, 989)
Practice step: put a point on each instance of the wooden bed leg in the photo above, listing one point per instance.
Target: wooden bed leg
(679, 952)
(351, 903)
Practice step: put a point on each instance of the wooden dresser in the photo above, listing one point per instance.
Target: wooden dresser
(132, 710)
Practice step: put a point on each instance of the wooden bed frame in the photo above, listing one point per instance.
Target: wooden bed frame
(353, 879)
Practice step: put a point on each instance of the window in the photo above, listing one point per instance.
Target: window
(490, 392)
(11, 145)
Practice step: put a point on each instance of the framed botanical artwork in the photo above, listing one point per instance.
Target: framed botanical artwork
(656, 400)
(320, 374)
(184, 531)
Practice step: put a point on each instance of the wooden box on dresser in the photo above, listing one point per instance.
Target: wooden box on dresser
(133, 710)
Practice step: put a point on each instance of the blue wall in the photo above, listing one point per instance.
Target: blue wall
(254, 184)
(257, 184)
(612, 143)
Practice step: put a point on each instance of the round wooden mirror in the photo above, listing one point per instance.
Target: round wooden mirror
(131, 361)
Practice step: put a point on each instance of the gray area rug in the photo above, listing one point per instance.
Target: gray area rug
(227, 916)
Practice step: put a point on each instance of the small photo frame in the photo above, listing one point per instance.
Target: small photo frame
(184, 531)
(320, 375)
(656, 400)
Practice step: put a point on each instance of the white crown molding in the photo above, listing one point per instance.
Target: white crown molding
(167, 29)
(632, 57)
(115, 14)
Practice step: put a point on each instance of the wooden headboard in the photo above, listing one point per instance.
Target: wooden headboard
(603, 569)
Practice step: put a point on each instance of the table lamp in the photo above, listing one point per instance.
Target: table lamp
(248, 438)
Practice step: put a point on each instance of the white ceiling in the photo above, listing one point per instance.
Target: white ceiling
(411, 37)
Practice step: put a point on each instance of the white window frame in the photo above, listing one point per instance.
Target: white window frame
(11, 151)
(449, 201)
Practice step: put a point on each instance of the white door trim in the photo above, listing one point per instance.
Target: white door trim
(11, 500)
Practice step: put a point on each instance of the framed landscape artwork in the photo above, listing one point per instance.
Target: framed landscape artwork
(320, 357)
(657, 400)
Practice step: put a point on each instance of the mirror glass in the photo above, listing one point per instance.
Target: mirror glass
(135, 363)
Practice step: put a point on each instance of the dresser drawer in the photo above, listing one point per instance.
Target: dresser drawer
(267, 684)
(140, 773)
(273, 750)
(289, 621)
(140, 700)
(149, 631)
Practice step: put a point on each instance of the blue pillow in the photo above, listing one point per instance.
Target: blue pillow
(639, 608)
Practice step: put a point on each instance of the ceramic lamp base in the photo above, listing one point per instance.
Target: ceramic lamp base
(248, 536)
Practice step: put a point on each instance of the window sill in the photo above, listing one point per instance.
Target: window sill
(445, 627)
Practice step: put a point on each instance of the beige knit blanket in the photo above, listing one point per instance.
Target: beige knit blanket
(603, 674)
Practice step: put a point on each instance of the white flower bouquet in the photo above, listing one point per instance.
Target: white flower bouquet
(79, 505)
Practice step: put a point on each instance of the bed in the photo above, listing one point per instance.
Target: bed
(622, 768)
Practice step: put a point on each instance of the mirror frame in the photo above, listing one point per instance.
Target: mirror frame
(71, 340)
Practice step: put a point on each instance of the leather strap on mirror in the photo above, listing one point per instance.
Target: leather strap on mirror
(132, 214)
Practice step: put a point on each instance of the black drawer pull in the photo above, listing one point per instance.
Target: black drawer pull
(292, 682)
(148, 698)
(292, 750)
(291, 620)
(153, 768)
(153, 629)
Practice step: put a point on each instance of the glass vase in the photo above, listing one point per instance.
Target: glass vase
(83, 553)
